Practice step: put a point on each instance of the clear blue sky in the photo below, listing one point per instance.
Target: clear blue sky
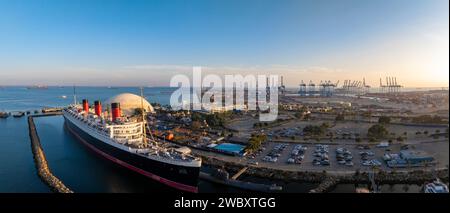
(106, 39)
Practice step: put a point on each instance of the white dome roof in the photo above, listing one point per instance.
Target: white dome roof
(129, 103)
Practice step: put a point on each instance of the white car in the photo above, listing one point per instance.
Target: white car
(383, 145)
(376, 162)
(291, 160)
(367, 163)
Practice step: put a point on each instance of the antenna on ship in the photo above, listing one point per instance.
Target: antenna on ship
(143, 118)
(74, 96)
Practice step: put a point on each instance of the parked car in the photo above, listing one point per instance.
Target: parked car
(255, 163)
(349, 164)
(376, 162)
(290, 160)
(325, 163)
(366, 163)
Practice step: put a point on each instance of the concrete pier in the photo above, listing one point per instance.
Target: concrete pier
(257, 187)
(239, 173)
(356, 177)
(43, 170)
(325, 185)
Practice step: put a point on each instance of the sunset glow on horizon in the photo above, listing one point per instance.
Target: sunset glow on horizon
(147, 42)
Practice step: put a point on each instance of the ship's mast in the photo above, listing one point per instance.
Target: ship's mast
(74, 96)
(143, 118)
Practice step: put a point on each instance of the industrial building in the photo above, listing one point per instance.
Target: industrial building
(407, 158)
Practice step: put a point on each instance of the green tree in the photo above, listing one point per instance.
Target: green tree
(428, 119)
(384, 120)
(340, 117)
(214, 119)
(377, 131)
(298, 114)
(313, 130)
(325, 125)
(255, 141)
(367, 114)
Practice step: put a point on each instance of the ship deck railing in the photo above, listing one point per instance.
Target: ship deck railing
(162, 153)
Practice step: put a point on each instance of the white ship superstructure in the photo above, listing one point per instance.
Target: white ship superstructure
(122, 139)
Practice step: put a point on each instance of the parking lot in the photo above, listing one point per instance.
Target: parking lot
(315, 157)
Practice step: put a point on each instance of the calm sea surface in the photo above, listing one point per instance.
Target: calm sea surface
(78, 167)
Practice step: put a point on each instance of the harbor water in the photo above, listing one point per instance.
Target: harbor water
(79, 168)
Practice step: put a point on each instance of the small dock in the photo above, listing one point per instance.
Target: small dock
(325, 185)
(239, 173)
(42, 167)
(233, 182)
(258, 187)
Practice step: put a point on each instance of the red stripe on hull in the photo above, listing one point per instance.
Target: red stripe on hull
(131, 167)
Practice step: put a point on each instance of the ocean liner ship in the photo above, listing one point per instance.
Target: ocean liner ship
(122, 140)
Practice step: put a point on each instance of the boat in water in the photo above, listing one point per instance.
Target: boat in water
(18, 114)
(51, 109)
(435, 187)
(122, 140)
(37, 87)
(4, 115)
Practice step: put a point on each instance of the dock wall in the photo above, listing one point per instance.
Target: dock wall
(382, 177)
(40, 160)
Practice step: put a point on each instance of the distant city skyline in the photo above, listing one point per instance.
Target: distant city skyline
(132, 43)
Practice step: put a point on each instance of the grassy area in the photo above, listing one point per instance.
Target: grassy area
(213, 119)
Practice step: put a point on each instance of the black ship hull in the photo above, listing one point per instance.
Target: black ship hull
(177, 176)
